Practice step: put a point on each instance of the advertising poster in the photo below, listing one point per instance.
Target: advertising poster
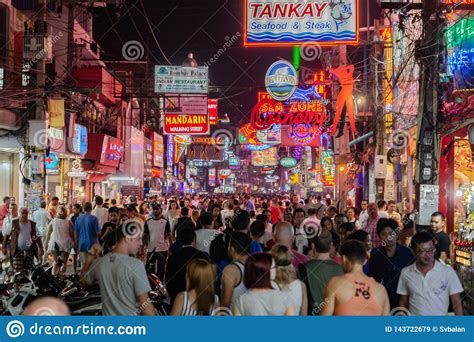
(268, 157)
(212, 110)
(158, 150)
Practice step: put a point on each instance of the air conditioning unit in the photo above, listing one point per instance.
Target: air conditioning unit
(37, 47)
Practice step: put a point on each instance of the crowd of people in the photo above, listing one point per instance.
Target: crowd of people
(241, 254)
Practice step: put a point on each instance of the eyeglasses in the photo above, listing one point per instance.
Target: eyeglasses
(426, 251)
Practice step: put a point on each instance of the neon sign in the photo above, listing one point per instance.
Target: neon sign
(326, 158)
(303, 134)
(387, 82)
(268, 112)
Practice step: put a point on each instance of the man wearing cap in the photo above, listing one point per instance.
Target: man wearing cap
(159, 232)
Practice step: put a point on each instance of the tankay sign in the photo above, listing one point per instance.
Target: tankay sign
(181, 80)
(284, 22)
(176, 124)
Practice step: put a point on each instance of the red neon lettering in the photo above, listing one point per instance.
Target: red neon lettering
(267, 11)
(294, 10)
(255, 8)
(281, 9)
(320, 8)
(308, 10)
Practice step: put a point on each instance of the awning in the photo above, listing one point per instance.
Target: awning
(97, 178)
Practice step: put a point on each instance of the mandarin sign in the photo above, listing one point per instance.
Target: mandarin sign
(176, 124)
(268, 112)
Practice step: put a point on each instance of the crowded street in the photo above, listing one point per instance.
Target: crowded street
(237, 158)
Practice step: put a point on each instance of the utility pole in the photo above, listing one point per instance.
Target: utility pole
(70, 42)
(428, 147)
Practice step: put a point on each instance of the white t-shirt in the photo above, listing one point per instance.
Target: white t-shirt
(429, 295)
(204, 238)
(102, 215)
(41, 217)
(7, 225)
(157, 229)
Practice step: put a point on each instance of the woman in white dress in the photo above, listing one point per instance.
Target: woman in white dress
(59, 240)
(285, 279)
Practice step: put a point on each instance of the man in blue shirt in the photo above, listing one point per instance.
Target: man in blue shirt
(387, 261)
(86, 232)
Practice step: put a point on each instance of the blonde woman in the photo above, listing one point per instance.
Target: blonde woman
(199, 299)
(285, 279)
(59, 239)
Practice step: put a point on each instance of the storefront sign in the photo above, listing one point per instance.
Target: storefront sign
(326, 158)
(181, 80)
(281, 80)
(288, 162)
(186, 105)
(268, 157)
(78, 142)
(212, 177)
(148, 158)
(271, 136)
(51, 162)
(208, 140)
(268, 112)
(213, 112)
(225, 173)
(158, 150)
(77, 170)
(283, 22)
(176, 124)
(112, 151)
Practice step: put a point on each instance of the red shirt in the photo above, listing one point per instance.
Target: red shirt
(298, 258)
(275, 214)
(3, 213)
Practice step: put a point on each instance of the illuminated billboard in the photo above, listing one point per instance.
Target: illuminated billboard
(268, 157)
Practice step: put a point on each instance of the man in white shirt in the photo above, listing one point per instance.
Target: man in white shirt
(41, 217)
(159, 231)
(364, 215)
(320, 207)
(382, 209)
(426, 286)
(100, 212)
(206, 234)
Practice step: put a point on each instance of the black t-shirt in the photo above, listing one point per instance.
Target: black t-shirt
(108, 241)
(442, 243)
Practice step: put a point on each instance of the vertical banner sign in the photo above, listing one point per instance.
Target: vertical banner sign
(212, 177)
(213, 111)
(387, 81)
(283, 22)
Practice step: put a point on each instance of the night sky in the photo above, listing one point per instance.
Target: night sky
(201, 27)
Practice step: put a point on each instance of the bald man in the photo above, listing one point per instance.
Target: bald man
(47, 306)
(285, 235)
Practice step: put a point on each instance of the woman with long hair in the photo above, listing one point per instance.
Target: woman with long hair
(199, 298)
(59, 240)
(261, 299)
(173, 213)
(285, 279)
